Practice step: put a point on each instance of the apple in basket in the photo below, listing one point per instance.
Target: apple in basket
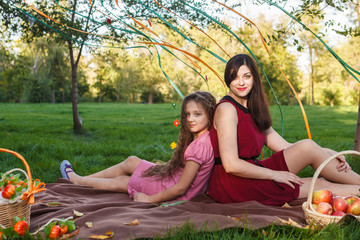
(324, 195)
(339, 204)
(351, 199)
(324, 208)
(354, 208)
(338, 213)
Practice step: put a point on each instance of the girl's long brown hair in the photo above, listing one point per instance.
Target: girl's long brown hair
(161, 171)
(257, 101)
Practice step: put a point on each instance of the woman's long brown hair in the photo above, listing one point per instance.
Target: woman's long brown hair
(161, 171)
(257, 101)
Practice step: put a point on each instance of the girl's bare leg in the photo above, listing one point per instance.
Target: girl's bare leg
(307, 152)
(126, 167)
(115, 178)
(337, 189)
(118, 184)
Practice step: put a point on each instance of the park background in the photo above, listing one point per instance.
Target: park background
(35, 61)
(73, 95)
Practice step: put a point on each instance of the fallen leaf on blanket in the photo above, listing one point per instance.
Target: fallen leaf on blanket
(78, 214)
(286, 205)
(52, 204)
(69, 235)
(172, 204)
(108, 234)
(263, 232)
(291, 223)
(135, 222)
(237, 219)
(89, 224)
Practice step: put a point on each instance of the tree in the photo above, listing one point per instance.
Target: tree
(355, 4)
(78, 23)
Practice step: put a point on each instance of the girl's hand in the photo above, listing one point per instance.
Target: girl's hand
(287, 178)
(141, 197)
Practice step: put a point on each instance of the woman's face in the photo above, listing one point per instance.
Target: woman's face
(196, 117)
(241, 86)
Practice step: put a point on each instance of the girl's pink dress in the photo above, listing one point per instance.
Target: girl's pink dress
(199, 150)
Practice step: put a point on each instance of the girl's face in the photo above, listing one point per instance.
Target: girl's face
(197, 119)
(241, 86)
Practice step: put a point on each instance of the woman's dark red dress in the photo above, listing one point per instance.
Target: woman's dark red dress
(228, 188)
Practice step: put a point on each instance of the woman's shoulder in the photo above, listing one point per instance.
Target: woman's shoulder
(226, 106)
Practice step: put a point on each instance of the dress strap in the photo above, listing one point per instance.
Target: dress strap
(229, 98)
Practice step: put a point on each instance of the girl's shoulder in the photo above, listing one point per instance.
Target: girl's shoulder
(200, 149)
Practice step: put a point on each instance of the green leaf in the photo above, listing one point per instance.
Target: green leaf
(172, 204)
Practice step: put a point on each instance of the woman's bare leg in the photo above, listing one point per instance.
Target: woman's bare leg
(307, 152)
(337, 189)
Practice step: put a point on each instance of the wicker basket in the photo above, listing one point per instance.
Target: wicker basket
(311, 215)
(19, 208)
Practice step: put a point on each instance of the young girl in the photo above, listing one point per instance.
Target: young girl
(185, 176)
(242, 126)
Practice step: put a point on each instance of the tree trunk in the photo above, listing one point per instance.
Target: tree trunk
(357, 132)
(312, 100)
(53, 100)
(357, 9)
(74, 64)
(74, 98)
(150, 97)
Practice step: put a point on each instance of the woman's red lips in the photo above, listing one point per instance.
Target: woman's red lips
(242, 89)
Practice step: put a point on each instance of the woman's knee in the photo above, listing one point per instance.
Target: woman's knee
(307, 144)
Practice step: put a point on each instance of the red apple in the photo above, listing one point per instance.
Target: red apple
(322, 196)
(338, 213)
(324, 208)
(354, 208)
(339, 204)
(351, 199)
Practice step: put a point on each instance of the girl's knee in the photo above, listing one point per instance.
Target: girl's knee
(133, 160)
(131, 163)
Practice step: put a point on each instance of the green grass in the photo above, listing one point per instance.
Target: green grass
(43, 134)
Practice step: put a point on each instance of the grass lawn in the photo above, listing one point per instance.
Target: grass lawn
(42, 133)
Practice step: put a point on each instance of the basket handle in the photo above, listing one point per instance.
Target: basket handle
(20, 170)
(24, 162)
(320, 168)
(33, 187)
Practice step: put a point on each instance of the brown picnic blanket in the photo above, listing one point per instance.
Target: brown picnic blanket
(112, 211)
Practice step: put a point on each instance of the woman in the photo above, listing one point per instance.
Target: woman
(241, 126)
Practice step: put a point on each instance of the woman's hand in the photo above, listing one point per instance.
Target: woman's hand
(142, 197)
(287, 178)
(343, 165)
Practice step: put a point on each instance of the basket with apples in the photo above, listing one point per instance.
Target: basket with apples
(16, 194)
(322, 207)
